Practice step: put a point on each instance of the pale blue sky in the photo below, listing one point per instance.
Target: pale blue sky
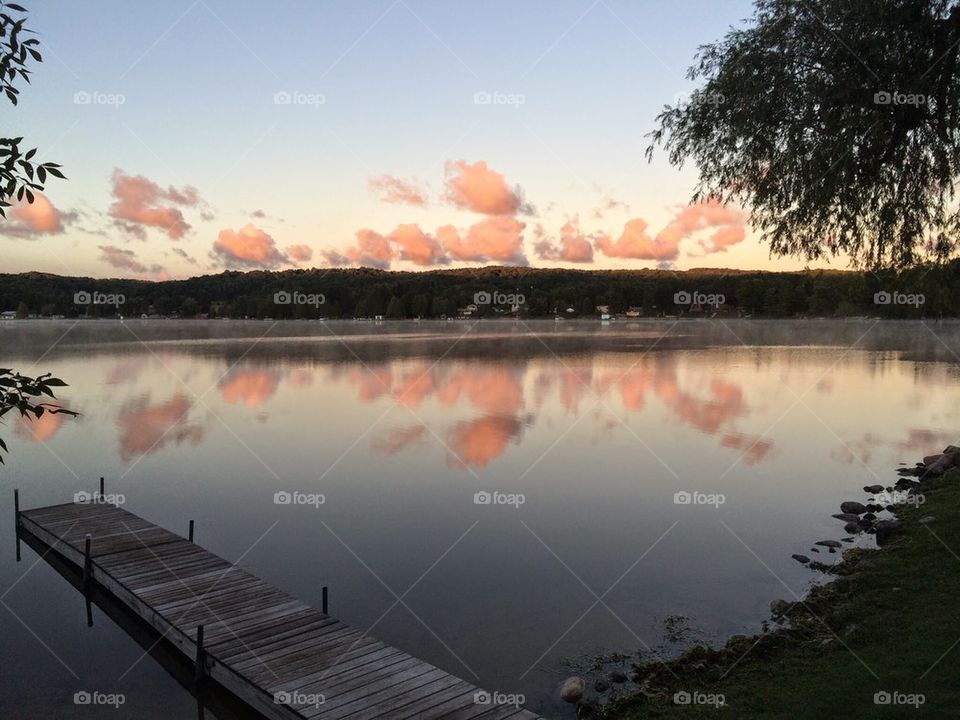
(198, 81)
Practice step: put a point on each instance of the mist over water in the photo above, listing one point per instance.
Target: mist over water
(499, 477)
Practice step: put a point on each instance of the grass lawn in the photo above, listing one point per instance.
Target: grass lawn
(889, 623)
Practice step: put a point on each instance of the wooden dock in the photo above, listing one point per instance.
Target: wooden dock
(279, 655)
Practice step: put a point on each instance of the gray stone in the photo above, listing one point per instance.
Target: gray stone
(885, 529)
(828, 543)
(801, 558)
(571, 689)
(873, 489)
(847, 517)
(852, 506)
(617, 676)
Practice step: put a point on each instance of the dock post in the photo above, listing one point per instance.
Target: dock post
(191, 531)
(323, 601)
(198, 670)
(102, 494)
(16, 519)
(86, 563)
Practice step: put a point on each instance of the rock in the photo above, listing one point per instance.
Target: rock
(849, 539)
(801, 558)
(828, 543)
(870, 516)
(873, 489)
(571, 689)
(617, 676)
(891, 508)
(851, 527)
(600, 686)
(927, 520)
(865, 524)
(874, 507)
(885, 529)
(779, 608)
(951, 450)
(814, 550)
(852, 506)
(939, 464)
(847, 517)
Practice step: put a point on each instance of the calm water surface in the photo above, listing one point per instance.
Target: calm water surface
(399, 426)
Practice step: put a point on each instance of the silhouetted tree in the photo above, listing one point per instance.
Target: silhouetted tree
(836, 122)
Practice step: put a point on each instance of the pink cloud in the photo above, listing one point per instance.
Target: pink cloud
(394, 190)
(28, 220)
(126, 260)
(418, 247)
(372, 250)
(635, 243)
(724, 238)
(478, 188)
(702, 216)
(142, 203)
(335, 258)
(249, 246)
(300, 253)
(574, 246)
(496, 239)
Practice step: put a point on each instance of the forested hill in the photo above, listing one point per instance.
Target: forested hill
(928, 291)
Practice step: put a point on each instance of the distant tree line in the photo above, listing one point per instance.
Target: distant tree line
(923, 291)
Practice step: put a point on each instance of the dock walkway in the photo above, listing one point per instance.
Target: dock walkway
(284, 658)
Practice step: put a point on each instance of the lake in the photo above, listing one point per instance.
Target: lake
(509, 501)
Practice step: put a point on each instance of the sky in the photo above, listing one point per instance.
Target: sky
(205, 135)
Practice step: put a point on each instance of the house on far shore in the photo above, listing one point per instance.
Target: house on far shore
(8, 315)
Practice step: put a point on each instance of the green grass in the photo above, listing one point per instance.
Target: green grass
(905, 641)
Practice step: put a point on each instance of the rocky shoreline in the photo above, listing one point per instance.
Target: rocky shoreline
(876, 515)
